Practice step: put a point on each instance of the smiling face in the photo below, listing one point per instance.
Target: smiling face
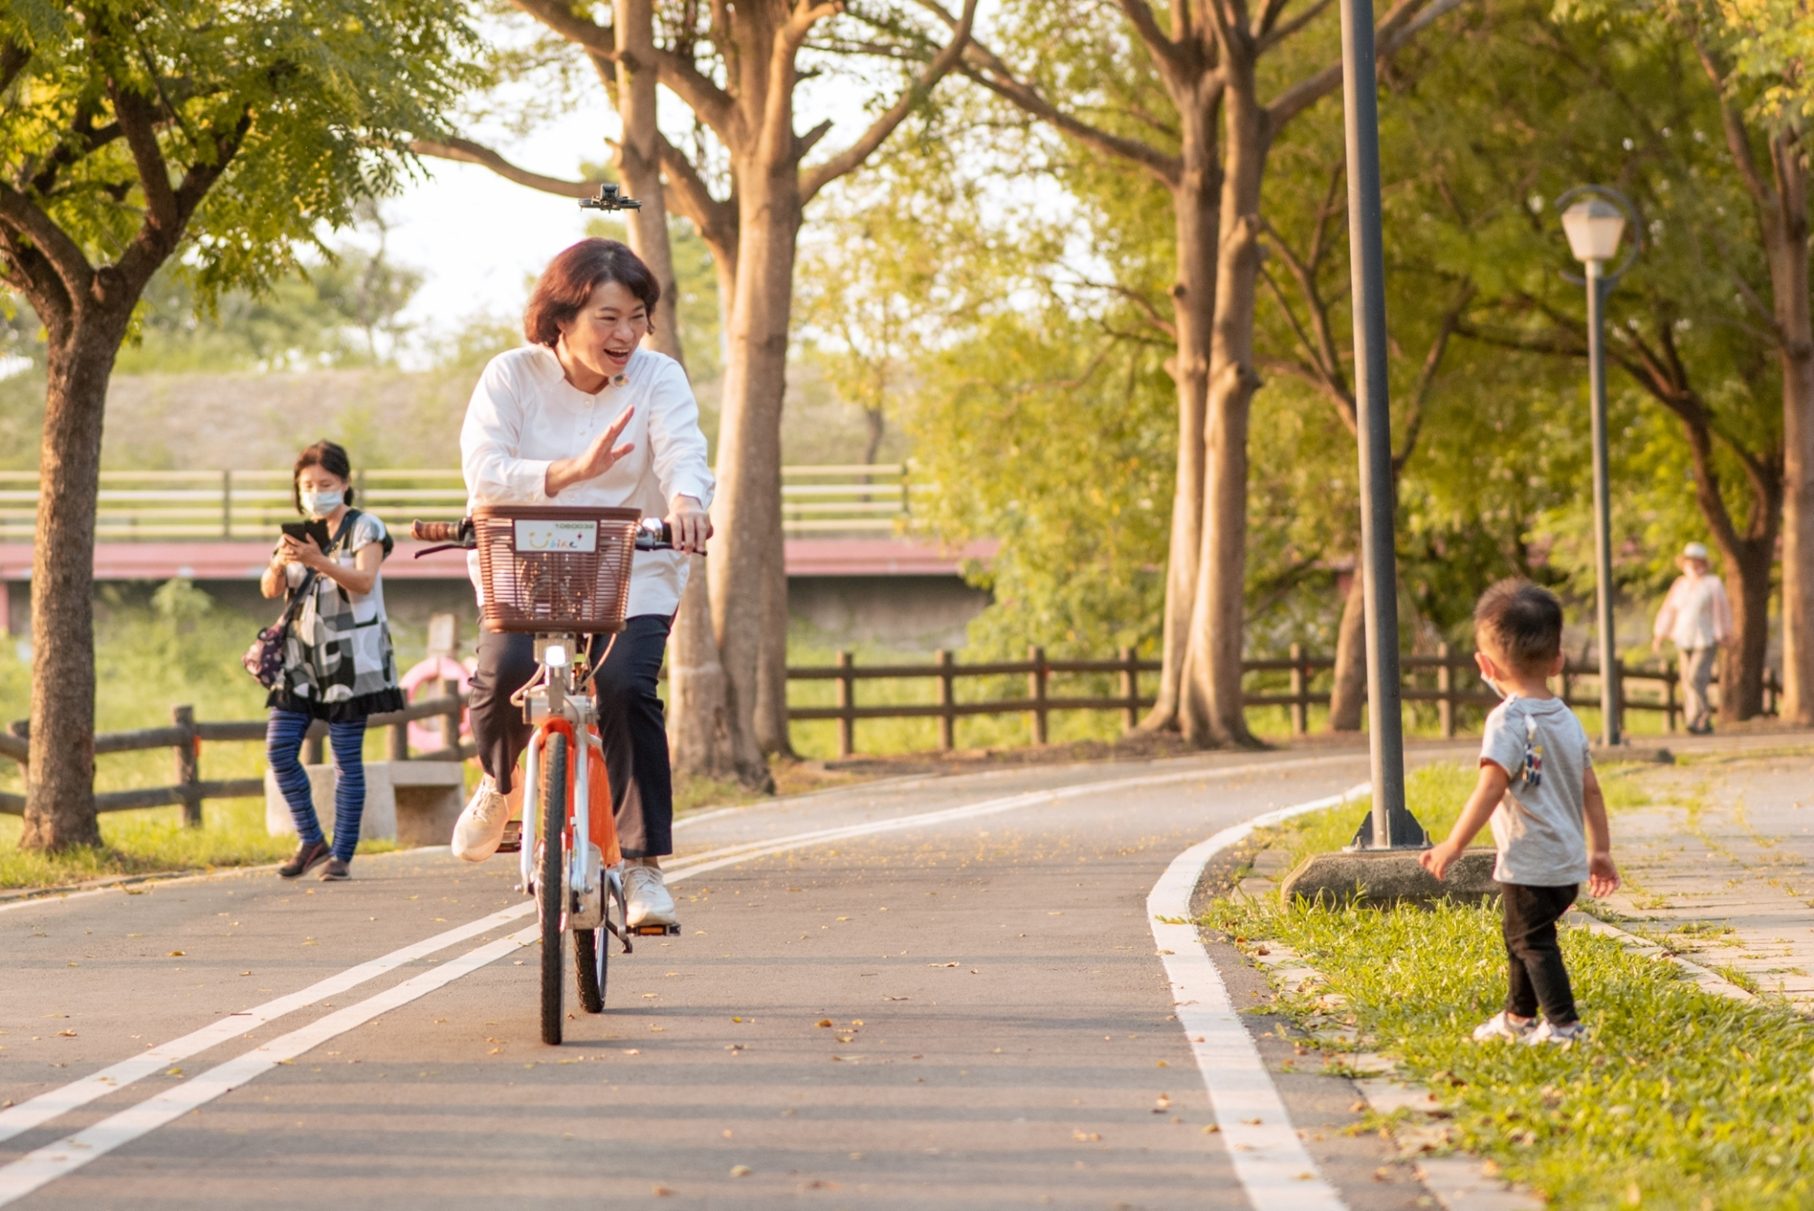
(596, 344)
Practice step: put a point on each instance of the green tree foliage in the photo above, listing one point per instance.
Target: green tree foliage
(226, 137)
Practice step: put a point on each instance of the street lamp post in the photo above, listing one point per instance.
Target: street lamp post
(1594, 225)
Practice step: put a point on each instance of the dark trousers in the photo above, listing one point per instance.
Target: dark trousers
(630, 724)
(1534, 957)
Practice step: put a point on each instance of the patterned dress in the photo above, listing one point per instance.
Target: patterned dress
(338, 662)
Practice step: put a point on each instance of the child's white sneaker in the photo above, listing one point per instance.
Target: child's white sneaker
(1502, 1028)
(1557, 1036)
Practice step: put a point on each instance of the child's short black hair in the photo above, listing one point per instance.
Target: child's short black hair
(1523, 622)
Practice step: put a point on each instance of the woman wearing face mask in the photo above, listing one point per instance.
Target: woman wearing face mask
(338, 664)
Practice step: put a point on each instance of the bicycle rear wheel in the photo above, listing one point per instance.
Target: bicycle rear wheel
(551, 886)
(589, 962)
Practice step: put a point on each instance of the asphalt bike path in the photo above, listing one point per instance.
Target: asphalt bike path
(920, 993)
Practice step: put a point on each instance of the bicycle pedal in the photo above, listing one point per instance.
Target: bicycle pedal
(513, 838)
(656, 931)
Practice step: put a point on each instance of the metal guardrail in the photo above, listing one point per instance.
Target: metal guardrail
(199, 506)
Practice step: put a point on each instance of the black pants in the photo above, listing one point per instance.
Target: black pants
(1534, 958)
(630, 724)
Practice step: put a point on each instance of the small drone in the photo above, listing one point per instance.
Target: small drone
(609, 199)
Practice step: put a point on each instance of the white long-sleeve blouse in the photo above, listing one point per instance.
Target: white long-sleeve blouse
(524, 415)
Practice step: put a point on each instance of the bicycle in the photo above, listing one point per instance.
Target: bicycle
(561, 574)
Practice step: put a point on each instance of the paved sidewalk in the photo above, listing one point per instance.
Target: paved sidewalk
(1720, 864)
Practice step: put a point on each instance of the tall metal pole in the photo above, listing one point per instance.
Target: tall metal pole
(1360, 107)
(1596, 375)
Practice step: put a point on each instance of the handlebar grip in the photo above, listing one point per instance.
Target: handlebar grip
(435, 531)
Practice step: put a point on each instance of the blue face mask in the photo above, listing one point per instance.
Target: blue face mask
(321, 504)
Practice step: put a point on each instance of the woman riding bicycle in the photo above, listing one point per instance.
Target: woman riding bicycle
(583, 415)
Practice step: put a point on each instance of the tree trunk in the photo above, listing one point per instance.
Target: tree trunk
(1749, 557)
(59, 781)
(1193, 316)
(1349, 696)
(1786, 245)
(1212, 710)
(1742, 664)
(703, 733)
(748, 573)
(875, 426)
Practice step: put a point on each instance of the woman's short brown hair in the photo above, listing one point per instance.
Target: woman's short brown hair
(571, 277)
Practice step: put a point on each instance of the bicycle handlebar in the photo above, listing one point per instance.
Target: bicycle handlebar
(652, 535)
(437, 531)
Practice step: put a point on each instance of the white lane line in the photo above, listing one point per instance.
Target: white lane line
(47, 1164)
(1269, 1159)
(732, 854)
(55, 1102)
(66, 1155)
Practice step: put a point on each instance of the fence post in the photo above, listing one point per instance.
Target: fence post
(847, 700)
(1300, 691)
(188, 765)
(1036, 691)
(947, 699)
(400, 741)
(1566, 679)
(1445, 687)
(226, 504)
(1130, 687)
(450, 722)
(313, 752)
(1669, 707)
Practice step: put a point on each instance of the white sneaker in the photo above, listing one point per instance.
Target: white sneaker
(1500, 1028)
(480, 827)
(646, 897)
(1557, 1036)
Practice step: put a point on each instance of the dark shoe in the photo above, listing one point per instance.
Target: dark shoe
(308, 855)
(334, 871)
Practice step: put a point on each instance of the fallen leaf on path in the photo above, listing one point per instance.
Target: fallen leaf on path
(66, 1034)
(738, 1170)
(174, 954)
(661, 1192)
(824, 1023)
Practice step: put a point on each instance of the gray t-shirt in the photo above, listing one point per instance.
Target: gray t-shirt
(1538, 826)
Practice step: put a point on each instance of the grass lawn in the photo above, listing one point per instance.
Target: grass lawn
(1682, 1099)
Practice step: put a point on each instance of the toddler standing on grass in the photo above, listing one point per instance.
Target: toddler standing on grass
(1538, 787)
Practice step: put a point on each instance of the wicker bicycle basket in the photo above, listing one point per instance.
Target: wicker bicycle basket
(553, 570)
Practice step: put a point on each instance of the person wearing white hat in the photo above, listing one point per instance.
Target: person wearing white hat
(1697, 618)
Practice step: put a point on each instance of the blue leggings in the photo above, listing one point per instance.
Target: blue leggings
(283, 744)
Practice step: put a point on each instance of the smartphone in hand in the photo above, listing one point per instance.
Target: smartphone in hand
(314, 528)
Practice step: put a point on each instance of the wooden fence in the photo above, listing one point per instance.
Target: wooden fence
(186, 735)
(225, 505)
(1294, 683)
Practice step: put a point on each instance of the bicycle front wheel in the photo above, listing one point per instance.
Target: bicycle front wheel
(551, 886)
